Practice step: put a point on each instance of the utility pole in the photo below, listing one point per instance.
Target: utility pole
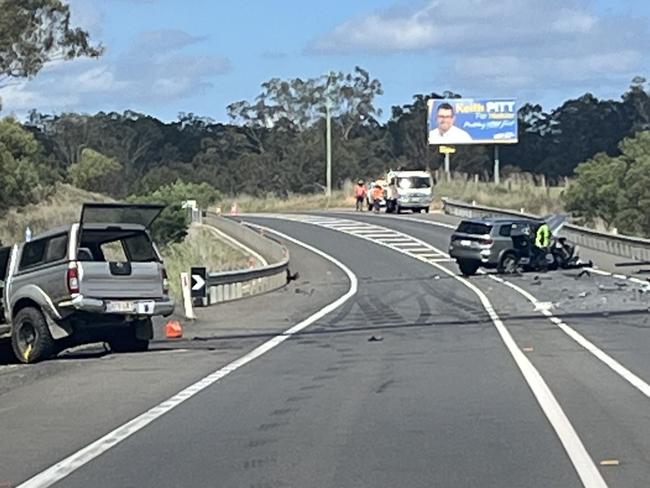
(328, 138)
(497, 177)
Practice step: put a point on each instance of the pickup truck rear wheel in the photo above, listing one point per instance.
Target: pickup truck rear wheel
(31, 339)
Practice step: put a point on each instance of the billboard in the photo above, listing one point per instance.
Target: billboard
(454, 121)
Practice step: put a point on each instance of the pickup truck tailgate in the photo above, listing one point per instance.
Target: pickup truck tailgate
(121, 280)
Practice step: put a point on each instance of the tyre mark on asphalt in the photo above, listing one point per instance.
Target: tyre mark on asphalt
(272, 425)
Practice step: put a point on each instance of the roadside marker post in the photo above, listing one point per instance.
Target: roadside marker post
(187, 296)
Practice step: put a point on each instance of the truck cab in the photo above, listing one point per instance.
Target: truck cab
(410, 190)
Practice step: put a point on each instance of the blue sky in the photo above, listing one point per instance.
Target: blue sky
(169, 56)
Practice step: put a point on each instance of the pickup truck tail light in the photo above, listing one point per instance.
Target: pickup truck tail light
(72, 278)
(165, 281)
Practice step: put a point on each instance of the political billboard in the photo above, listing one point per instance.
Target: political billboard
(454, 121)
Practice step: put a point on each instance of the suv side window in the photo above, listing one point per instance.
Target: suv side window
(506, 230)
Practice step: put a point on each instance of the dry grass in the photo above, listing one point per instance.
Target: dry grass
(516, 193)
(64, 207)
(271, 203)
(513, 193)
(201, 248)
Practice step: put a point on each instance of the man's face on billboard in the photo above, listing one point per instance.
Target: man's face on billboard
(445, 119)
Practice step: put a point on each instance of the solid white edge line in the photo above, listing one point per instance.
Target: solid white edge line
(75, 461)
(575, 449)
(236, 243)
(612, 363)
(633, 379)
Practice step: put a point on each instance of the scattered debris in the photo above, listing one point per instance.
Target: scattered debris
(436, 277)
(543, 306)
(536, 283)
(584, 294)
(606, 289)
(584, 272)
(610, 462)
(527, 349)
(621, 284)
(375, 339)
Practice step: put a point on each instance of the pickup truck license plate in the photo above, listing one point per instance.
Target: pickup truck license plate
(140, 308)
(465, 242)
(120, 307)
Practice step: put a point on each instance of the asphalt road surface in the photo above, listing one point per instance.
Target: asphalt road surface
(412, 376)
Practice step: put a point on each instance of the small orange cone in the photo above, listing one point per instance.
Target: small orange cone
(173, 330)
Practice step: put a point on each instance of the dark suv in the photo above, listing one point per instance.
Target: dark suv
(487, 242)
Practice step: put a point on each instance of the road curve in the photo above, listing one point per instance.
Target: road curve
(411, 381)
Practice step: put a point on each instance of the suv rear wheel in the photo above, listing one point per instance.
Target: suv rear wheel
(31, 339)
(468, 268)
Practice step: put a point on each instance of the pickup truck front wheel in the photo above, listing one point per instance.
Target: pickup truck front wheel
(31, 339)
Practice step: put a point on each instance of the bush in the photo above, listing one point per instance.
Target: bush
(173, 222)
(615, 189)
(94, 172)
(21, 178)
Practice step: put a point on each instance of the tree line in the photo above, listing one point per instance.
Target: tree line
(275, 143)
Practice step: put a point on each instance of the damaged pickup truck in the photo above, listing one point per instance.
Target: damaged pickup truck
(99, 280)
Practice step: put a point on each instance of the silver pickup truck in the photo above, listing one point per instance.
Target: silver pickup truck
(101, 279)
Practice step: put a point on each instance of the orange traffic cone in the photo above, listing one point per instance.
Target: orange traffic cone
(173, 330)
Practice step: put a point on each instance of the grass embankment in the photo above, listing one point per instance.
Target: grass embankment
(63, 207)
(513, 193)
(201, 248)
(271, 203)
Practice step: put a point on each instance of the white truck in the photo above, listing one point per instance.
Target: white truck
(409, 190)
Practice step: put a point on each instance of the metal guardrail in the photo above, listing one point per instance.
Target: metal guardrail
(634, 248)
(231, 285)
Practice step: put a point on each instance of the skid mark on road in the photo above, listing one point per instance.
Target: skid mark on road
(403, 243)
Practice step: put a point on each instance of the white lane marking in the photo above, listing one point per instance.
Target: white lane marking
(594, 270)
(375, 236)
(75, 461)
(580, 458)
(612, 363)
(236, 243)
(412, 219)
(544, 309)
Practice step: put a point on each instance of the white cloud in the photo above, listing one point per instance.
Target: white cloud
(490, 44)
(156, 67)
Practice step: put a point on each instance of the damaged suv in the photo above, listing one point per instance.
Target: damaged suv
(101, 279)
